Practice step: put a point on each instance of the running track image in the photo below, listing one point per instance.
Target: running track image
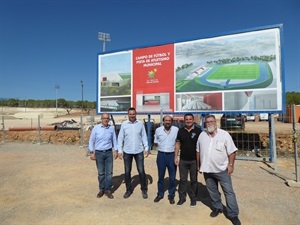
(206, 79)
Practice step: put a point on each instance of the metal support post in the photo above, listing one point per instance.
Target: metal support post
(149, 132)
(273, 141)
(295, 143)
(81, 132)
(3, 129)
(39, 130)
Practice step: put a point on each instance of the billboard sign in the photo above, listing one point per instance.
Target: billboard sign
(236, 72)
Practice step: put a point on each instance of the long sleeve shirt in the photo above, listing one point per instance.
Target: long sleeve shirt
(103, 138)
(132, 137)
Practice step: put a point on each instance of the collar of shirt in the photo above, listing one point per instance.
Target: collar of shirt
(128, 121)
(167, 131)
(212, 136)
(192, 128)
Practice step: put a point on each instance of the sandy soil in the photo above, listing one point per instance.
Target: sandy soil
(57, 184)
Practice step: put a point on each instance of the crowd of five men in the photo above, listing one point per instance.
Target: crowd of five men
(210, 152)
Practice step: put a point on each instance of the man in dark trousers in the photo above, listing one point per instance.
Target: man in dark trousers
(186, 144)
(133, 144)
(165, 138)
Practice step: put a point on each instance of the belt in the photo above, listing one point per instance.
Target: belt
(166, 153)
(106, 150)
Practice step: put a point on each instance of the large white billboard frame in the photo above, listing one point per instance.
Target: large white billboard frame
(239, 71)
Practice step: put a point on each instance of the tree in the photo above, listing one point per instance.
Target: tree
(293, 98)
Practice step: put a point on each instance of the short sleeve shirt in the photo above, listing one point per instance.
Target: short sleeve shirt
(165, 140)
(188, 141)
(214, 151)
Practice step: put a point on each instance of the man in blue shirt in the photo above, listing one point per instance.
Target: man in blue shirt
(165, 138)
(133, 143)
(101, 145)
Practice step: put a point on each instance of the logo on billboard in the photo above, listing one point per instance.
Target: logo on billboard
(151, 74)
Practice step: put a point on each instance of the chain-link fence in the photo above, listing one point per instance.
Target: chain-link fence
(251, 136)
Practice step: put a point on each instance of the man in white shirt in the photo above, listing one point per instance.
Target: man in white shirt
(165, 138)
(133, 143)
(216, 155)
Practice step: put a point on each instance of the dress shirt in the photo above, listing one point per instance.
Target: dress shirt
(214, 151)
(103, 138)
(166, 140)
(132, 137)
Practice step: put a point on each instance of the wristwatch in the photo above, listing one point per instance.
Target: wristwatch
(230, 164)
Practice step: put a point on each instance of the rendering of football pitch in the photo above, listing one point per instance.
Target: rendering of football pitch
(242, 75)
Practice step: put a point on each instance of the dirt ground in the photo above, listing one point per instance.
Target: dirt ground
(57, 184)
(54, 183)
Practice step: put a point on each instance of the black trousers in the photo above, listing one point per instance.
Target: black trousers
(187, 168)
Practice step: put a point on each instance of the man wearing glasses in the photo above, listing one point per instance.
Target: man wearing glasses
(103, 148)
(216, 155)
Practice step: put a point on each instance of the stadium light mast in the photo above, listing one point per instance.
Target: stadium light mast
(81, 95)
(105, 37)
(56, 90)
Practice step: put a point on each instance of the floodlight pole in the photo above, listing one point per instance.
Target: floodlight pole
(81, 95)
(56, 90)
(105, 37)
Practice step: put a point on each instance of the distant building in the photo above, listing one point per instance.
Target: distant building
(112, 79)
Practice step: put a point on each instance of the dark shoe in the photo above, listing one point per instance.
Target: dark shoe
(193, 203)
(100, 194)
(235, 220)
(127, 194)
(109, 194)
(172, 201)
(216, 212)
(180, 202)
(144, 194)
(158, 198)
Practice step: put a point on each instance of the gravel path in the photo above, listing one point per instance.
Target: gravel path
(57, 184)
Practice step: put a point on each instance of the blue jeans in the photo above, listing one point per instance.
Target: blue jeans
(139, 160)
(212, 180)
(166, 161)
(186, 168)
(104, 163)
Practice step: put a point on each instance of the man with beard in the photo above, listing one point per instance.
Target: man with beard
(186, 144)
(216, 155)
(165, 138)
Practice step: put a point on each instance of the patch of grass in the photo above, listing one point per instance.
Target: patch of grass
(233, 72)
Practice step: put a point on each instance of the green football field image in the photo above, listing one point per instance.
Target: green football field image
(233, 72)
(232, 76)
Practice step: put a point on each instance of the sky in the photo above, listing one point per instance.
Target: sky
(47, 47)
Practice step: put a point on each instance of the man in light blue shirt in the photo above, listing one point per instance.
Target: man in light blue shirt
(165, 138)
(102, 142)
(133, 143)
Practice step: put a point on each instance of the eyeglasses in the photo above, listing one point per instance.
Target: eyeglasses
(210, 121)
(105, 118)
